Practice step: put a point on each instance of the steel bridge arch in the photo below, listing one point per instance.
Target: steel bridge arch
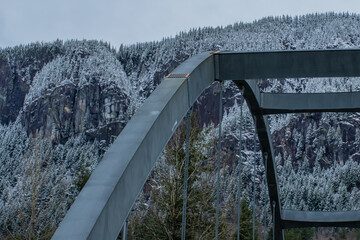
(103, 205)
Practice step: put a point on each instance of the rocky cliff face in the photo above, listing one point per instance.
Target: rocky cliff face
(81, 87)
(67, 111)
(59, 90)
(18, 66)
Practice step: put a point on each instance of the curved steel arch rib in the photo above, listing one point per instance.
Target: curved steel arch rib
(105, 201)
(107, 198)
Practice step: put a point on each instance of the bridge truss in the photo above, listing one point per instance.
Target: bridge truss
(103, 205)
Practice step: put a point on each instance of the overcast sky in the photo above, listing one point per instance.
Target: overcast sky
(131, 21)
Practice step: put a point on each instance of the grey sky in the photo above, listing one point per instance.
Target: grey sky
(131, 21)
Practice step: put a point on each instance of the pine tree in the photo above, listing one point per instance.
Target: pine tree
(246, 224)
(163, 218)
(299, 234)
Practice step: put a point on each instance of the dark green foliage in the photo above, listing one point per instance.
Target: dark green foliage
(246, 224)
(83, 175)
(358, 236)
(270, 234)
(299, 234)
(342, 234)
(295, 234)
(163, 218)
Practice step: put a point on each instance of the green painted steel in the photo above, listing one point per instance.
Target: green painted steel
(275, 103)
(288, 64)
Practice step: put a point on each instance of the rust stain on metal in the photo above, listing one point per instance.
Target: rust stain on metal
(176, 75)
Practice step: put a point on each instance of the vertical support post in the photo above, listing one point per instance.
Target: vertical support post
(239, 164)
(273, 204)
(124, 230)
(186, 169)
(254, 169)
(265, 182)
(218, 163)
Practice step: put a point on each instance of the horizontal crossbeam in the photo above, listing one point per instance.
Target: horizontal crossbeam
(275, 103)
(300, 219)
(287, 64)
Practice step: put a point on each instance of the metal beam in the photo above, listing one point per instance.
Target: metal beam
(288, 64)
(300, 219)
(275, 103)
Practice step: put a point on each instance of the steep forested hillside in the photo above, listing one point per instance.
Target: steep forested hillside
(63, 103)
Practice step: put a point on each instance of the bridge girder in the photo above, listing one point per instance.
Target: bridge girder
(107, 198)
(279, 103)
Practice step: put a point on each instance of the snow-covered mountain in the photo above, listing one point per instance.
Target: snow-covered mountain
(63, 103)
